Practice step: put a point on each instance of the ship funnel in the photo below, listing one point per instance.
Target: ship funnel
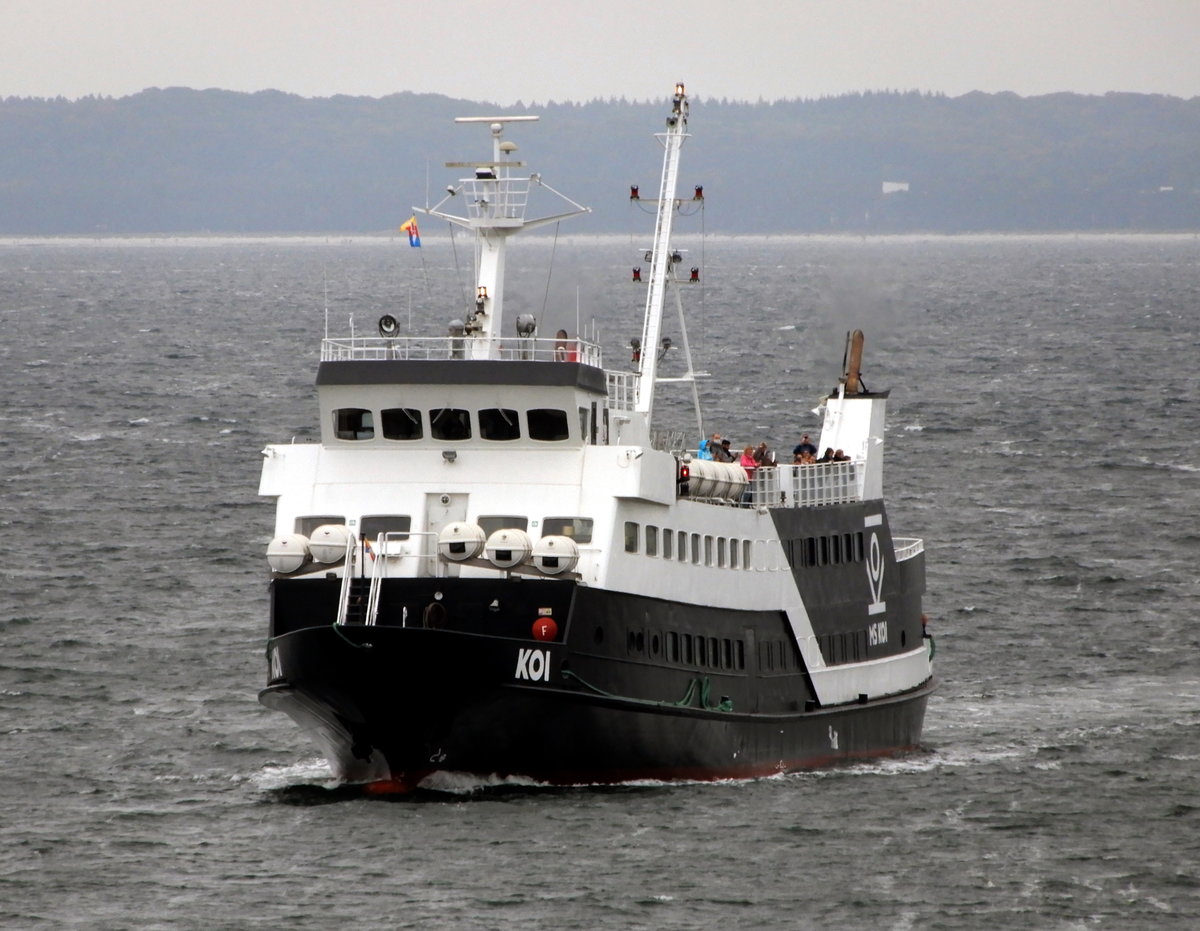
(853, 362)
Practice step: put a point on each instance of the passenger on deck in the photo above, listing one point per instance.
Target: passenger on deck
(805, 458)
(840, 456)
(828, 457)
(764, 456)
(564, 348)
(726, 452)
(748, 462)
(717, 451)
(804, 446)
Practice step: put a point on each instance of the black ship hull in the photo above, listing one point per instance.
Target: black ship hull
(391, 705)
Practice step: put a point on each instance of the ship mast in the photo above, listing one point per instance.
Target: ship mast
(496, 199)
(660, 262)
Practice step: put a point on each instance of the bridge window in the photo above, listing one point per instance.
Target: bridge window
(734, 546)
(401, 423)
(651, 540)
(547, 424)
(668, 538)
(498, 423)
(577, 528)
(306, 525)
(353, 423)
(696, 548)
(450, 423)
(492, 523)
(398, 524)
(631, 536)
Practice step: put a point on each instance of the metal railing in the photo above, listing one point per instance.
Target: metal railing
(496, 198)
(907, 547)
(799, 486)
(420, 348)
(669, 441)
(347, 576)
(622, 390)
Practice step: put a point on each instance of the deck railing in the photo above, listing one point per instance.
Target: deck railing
(408, 348)
(622, 390)
(496, 198)
(800, 486)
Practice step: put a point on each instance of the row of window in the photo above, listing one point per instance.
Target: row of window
(371, 525)
(455, 423)
(846, 647)
(830, 550)
(850, 646)
(699, 549)
(719, 653)
(721, 552)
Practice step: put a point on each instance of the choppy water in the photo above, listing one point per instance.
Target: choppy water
(1042, 439)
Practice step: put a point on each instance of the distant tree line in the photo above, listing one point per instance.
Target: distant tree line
(181, 161)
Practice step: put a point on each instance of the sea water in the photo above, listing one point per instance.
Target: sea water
(1042, 439)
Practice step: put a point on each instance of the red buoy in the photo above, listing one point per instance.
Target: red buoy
(545, 629)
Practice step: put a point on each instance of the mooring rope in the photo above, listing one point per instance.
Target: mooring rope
(702, 683)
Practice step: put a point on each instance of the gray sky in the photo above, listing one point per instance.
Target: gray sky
(503, 51)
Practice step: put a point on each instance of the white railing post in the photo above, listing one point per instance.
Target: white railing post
(377, 573)
(347, 572)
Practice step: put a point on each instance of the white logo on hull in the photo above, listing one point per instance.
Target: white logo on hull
(533, 665)
(875, 566)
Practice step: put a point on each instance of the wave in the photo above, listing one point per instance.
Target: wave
(310, 772)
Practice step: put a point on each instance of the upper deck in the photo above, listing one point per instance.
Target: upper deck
(454, 347)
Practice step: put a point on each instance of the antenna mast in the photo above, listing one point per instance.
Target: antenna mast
(660, 262)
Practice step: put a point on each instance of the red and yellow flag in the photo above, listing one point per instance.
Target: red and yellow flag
(414, 237)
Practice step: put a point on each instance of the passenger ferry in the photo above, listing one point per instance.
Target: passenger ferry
(491, 565)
